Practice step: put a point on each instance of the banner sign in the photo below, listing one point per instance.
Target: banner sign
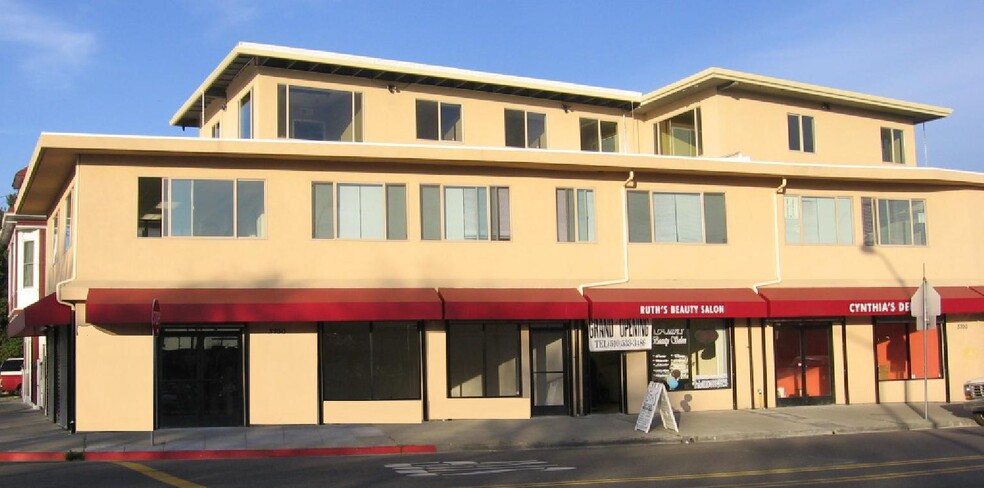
(620, 335)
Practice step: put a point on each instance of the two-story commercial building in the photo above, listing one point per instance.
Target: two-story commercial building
(357, 240)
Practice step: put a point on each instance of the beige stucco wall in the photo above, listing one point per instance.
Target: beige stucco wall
(482, 114)
(374, 412)
(734, 121)
(442, 407)
(283, 373)
(114, 377)
(964, 352)
(861, 360)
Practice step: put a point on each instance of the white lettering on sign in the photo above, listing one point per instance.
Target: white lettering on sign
(878, 307)
(620, 335)
(682, 309)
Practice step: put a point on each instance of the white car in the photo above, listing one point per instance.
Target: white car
(974, 393)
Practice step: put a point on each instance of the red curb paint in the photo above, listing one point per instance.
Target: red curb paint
(31, 457)
(219, 454)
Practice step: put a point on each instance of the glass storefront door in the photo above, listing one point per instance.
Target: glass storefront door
(200, 378)
(548, 354)
(803, 365)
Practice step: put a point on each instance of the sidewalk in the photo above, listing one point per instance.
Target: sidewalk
(26, 435)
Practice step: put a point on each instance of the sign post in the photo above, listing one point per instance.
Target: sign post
(155, 330)
(925, 306)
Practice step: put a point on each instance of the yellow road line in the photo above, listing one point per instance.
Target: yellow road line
(159, 475)
(765, 472)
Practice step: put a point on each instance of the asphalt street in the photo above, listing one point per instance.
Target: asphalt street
(930, 458)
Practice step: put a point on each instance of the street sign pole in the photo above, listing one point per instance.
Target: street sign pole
(925, 307)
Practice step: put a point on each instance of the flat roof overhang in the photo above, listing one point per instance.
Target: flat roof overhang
(389, 72)
(56, 156)
(723, 80)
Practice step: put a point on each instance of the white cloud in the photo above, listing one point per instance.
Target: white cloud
(44, 46)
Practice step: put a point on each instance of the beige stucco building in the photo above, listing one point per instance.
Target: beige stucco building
(356, 240)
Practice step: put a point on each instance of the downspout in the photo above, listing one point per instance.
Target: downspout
(629, 182)
(75, 238)
(781, 190)
(70, 305)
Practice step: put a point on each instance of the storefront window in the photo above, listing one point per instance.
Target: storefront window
(691, 354)
(899, 352)
(377, 361)
(483, 360)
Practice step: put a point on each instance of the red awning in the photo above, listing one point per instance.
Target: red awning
(618, 303)
(215, 305)
(961, 299)
(513, 304)
(44, 312)
(837, 302)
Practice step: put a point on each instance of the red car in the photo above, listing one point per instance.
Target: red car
(11, 372)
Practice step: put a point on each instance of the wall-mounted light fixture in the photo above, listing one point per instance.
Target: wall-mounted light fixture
(825, 106)
(567, 108)
(393, 88)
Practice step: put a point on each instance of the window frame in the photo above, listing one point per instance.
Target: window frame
(28, 264)
(247, 101)
(451, 328)
(286, 124)
(910, 344)
(893, 145)
(652, 231)
(574, 212)
(459, 126)
(799, 130)
(725, 328)
(495, 216)
(697, 128)
(334, 211)
(526, 117)
(166, 202)
(67, 233)
(371, 361)
(793, 210)
(872, 215)
(583, 122)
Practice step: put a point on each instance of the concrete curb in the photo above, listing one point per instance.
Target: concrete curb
(213, 454)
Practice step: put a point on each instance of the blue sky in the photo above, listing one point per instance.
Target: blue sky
(124, 67)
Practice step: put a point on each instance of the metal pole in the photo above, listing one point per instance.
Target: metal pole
(925, 332)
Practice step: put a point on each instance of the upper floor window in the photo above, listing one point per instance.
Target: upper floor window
(54, 235)
(893, 146)
(67, 239)
(246, 117)
(818, 220)
(575, 215)
(599, 135)
(677, 217)
(216, 131)
(801, 133)
(200, 208)
(680, 135)
(470, 213)
(438, 121)
(363, 211)
(526, 129)
(899, 222)
(318, 114)
(28, 266)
